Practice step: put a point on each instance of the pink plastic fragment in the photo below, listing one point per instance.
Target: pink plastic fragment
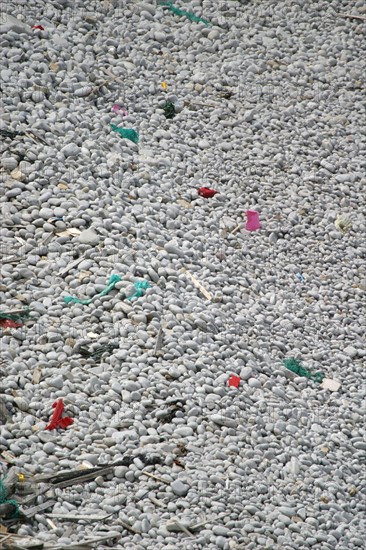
(119, 110)
(252, 220)
(234, 381)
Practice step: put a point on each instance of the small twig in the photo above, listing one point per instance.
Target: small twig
(157, 502)
(156, 477)
(197, 284)
(236, 229)
(128, 527)
(186, 103)
(350, 16)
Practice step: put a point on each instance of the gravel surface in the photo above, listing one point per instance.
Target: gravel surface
(269, 103)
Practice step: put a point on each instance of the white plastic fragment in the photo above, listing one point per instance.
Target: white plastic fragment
(331, 385)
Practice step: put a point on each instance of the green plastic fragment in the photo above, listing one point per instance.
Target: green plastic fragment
(114, 279)
(16, 317)
(169, 109)
(295, 366)
(3, 500)
(191, 16)
(140, 287)
(126, 133)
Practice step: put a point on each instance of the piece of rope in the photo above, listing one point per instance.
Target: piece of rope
(4, 500)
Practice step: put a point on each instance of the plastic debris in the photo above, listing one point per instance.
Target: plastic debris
(295, 366)
(169, 109)
(331, 385)
(126, 133)
(300, 277)
(114, 279)
(234, 381)
(252, 220)
(164, 86)
(343, 223)
(119, 110)
(97, 353)
(4, 500)
(10, 134)
(191, 16)
(16, 315)
(8, 323)
(56, 419)
(206, 192)
(140, 287)
(39, 27)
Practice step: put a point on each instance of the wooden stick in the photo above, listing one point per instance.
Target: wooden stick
(157, 502)
(350, 16)
(197, 284)
(71, 266)
(81, 517)
(156, 477)
(128, 527)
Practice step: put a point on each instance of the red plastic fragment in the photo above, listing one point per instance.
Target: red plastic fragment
(56, 420)
(234, 381)
(206, 192)
(39, 27)
(8, 323)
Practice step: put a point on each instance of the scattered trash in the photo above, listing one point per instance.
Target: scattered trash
(8, 323)
(119, 110)
(191, 16)
(295, 366)
(343, 223)
(184, 203)
(111, 284)
(234, 381)
(71, 232)
(37, 374)
(65, 479)
(15, 315)
(56, 419)
(169, 109)
(39, 27)
(300, 277)
(164, 86)
(140, 287)
(252, 220)
(98, 352)
(197, 284)
(10, 134)
(125, 133)
(206, 192)
(8, 457)
(331, 385)
(9, 508)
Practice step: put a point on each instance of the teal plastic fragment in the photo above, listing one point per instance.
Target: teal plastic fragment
(295, 366)
(3, 500)
(126, 133)
(140, 287)
(114, 279)
(16, 317)
(191, 16)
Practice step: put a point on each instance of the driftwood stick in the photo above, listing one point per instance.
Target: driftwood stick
(156, 477)
(350, 16)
